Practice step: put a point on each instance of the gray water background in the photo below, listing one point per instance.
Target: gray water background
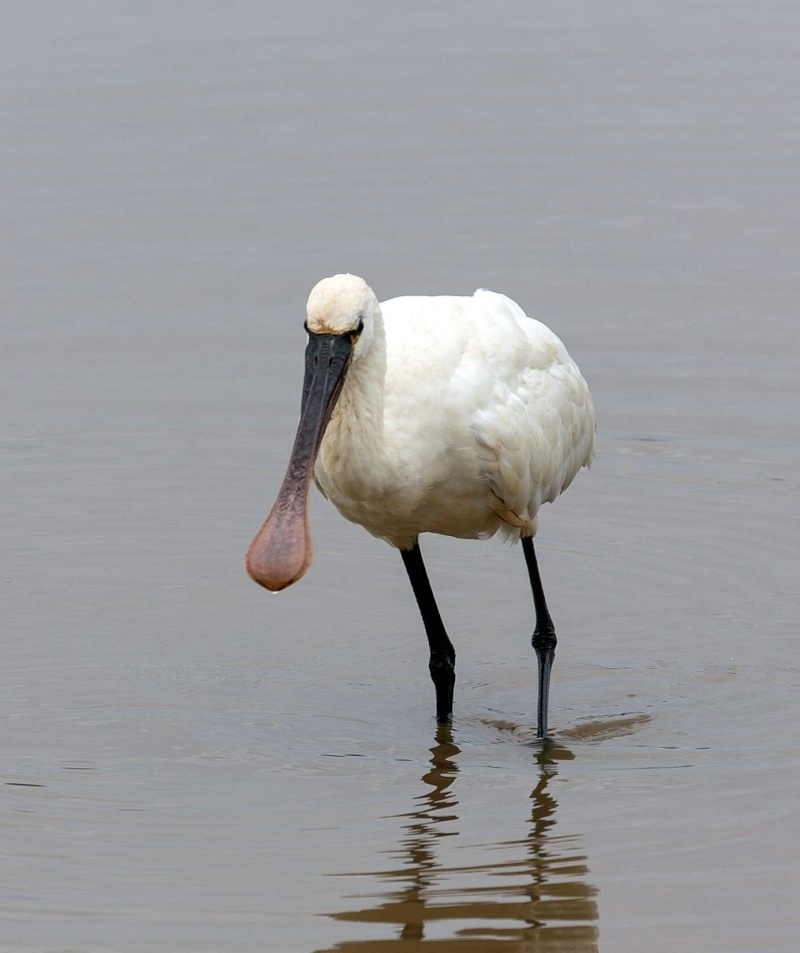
(189, 764)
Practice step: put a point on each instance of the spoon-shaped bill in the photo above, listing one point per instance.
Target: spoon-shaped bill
(281, 550)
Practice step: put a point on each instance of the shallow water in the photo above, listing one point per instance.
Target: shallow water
(190, 764)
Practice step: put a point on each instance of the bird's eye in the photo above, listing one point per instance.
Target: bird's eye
(354, 335)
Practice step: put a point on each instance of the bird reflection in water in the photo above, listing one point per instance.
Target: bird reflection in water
(537, 900)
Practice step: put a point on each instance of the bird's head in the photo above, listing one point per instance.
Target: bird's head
(340, 320)
(343, 305)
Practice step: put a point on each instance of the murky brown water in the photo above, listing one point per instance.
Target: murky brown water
(191, 765)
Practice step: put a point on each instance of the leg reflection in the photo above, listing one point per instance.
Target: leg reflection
(561, 904)
(435, 818)
(528, 893)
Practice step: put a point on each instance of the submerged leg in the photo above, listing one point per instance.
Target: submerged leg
(543, 640)
(443, 656)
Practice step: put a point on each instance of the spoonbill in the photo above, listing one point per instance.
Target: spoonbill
(450, 415)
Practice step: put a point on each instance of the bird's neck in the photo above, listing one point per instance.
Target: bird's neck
(354, 438)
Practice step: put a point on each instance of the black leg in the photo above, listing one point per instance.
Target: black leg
(443, 655)
(544, 638)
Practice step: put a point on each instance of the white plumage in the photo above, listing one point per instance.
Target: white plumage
(450, 415)
(459, 416)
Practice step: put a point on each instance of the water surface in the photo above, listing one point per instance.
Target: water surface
(190, 764)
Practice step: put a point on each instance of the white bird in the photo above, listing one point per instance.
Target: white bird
(450, 415)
